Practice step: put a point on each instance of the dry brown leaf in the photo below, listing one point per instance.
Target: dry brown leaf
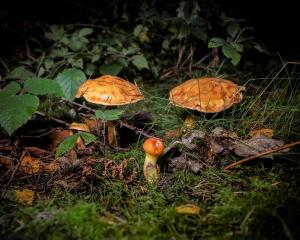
(6, 161)
(172, 134)
(25, 196)
(188, 209)
(79, 126)
(256, 145)
(29, 165)
(268, 132)
(93, 124)
(36, 151)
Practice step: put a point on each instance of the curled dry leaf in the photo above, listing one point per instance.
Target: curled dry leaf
(24, 196)
(188, 209)
(29, 165)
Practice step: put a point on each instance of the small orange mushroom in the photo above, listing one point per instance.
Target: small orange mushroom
(153, 148)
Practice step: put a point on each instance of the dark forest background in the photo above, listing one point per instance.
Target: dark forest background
(276, 23)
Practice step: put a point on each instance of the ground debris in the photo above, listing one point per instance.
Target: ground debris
(206, 147)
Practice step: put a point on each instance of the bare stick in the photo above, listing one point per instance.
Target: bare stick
(135, 129)
(52, 118)
(262, 154)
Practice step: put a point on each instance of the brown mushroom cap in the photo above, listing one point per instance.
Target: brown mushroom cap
(208, 95)
(154, 146)
(109, 90)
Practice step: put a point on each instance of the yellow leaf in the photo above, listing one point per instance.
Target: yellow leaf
(29, 165)
(188, 209)
(144, 37)
(268, 132)
(25, 196)
(79, 127)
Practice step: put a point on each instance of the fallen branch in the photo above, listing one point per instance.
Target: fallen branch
(262, 154)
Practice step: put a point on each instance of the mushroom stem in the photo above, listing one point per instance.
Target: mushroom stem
(150, 168)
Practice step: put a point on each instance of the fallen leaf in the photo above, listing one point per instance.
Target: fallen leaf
(6, 161)
(36, 151)
(268, 132)
(29, 165)
(79, 127)
(25, 196)
(56, 137)
(189, 122)
(256, 145)
(188, 209)
(172, 134)
(93, 124)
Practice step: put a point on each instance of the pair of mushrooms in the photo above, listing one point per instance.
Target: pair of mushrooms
(209, 95)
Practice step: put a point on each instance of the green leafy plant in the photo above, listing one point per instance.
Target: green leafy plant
(68, 143)
(235, 42)
(18, 104)
(109, 115)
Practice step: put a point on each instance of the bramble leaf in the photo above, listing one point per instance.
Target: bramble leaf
(231, 53)
(108, 115)
(20, 73)
(216, 42)
(67, 144)
(10, 89)
(70, 80)
(111, 69)
(15, 111)
(43, 86)
(140, 62)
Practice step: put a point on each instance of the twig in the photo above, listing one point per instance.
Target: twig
(262, 154)
(135, 129)
(12, 175)
(52, 118)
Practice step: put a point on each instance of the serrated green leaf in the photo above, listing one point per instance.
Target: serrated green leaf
(129, 51)
(70, 80)
(67, 144)
(56, 33)
(20, 73)
(216, 42)
(140, 62)
(85, 31)
(233, 29)
(48, 64)
(237, 46)
(10, 89)
(95, 58)
(184, 31)
(199, 33)
(75, 44)
(137, 30)
(43, 86)
(15, 111)
(77, 63)
(231, 53)
(87, 137)
(111, 69)
(109, 115)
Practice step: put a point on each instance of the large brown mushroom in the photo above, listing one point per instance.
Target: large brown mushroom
(153, 148)
(208, 95)
(110, 91)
